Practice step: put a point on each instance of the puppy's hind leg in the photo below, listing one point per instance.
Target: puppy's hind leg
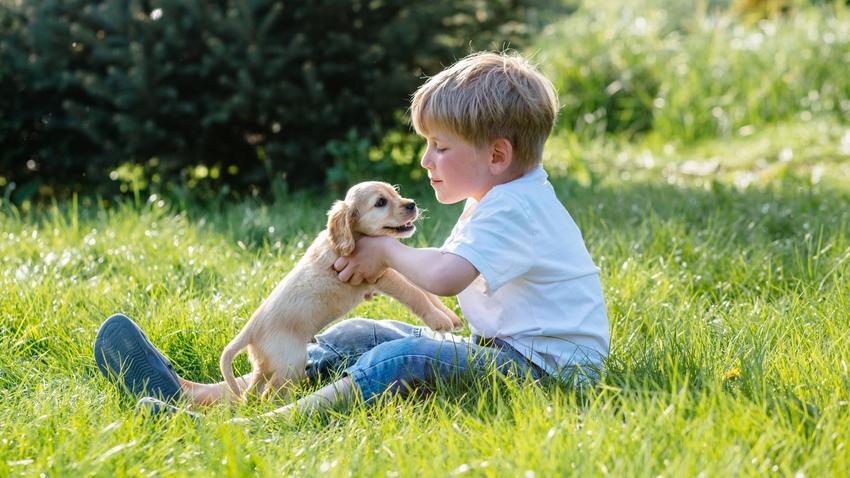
(289, 371)
(257, 387)
(280, 357)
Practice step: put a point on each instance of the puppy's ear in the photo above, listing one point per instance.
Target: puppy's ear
(341, 219)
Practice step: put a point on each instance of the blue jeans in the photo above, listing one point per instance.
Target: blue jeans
(387, 355)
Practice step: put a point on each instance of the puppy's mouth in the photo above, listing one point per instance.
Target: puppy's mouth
(404, 228)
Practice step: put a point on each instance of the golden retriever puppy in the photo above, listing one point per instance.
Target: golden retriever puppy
(311, 296)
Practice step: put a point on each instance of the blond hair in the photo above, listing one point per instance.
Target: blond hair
(486, 96)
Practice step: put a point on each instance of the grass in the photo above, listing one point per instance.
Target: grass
(692, 70)
(728, 305)
(723, 236)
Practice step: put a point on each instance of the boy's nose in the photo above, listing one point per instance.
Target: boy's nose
(424, 162)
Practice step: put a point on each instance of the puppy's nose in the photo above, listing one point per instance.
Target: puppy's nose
(410, 206)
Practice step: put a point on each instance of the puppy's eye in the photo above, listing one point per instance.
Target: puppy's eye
(381, 202)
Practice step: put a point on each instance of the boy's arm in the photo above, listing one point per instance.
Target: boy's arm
(437, 272)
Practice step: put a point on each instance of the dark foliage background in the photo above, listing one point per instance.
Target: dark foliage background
(231, 94)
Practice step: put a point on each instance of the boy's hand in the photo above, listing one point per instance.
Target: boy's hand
(367, 262)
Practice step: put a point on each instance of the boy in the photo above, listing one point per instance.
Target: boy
(516, 260)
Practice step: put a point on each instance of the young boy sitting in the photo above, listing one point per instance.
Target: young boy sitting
(515, 259)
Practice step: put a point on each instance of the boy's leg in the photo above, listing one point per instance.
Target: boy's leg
(125, 356)
(343, 343)
(330, 352)
(333, 350)
(333, 395)
(211, 393)
(396, 365)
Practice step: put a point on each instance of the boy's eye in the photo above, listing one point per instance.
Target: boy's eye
(437, 148)
(381, 202)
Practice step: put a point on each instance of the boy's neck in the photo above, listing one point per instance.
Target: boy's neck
(512, 174)
(504, 178)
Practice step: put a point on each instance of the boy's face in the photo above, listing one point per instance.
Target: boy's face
(458, 170)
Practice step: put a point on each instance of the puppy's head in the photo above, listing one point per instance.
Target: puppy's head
(372, 208)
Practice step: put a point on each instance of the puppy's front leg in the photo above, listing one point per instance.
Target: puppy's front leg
(395, 285)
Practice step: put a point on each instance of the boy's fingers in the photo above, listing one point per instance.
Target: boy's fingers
(340, 263)
(345, 274)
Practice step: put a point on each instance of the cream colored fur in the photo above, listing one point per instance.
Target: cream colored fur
(311, 296)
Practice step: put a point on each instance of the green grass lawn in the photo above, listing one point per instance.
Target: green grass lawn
(725, 265)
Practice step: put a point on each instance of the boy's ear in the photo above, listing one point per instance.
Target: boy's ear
(503, 156)
(341, 220)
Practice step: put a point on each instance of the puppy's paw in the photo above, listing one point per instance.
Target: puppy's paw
(457, 324)
(438, 322)
(449, 314)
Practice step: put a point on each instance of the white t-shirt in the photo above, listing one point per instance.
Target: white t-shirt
(538, 289)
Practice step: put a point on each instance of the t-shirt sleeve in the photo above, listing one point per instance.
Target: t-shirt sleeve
(497, 240)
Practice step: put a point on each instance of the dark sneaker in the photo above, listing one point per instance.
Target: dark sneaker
(127, 358)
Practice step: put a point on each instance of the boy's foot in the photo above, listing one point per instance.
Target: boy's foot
(127, 358)
(155, 407)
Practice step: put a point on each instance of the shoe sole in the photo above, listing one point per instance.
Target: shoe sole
(127, 358)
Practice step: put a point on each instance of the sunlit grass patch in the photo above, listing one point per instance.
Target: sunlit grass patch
(728, 308)
(724, 252)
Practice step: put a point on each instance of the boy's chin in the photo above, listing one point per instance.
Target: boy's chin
(446, 200)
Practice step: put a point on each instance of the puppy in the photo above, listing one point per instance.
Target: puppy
(311, 296)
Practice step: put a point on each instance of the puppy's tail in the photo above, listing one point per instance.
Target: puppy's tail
(226, 363)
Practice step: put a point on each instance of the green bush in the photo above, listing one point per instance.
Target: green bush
(692, 70)
(231, 92)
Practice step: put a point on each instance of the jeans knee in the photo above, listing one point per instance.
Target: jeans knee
(353, 324)
(417, 346)
(408, 351)
(392, 366)
(360, 333)
(349, 333)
